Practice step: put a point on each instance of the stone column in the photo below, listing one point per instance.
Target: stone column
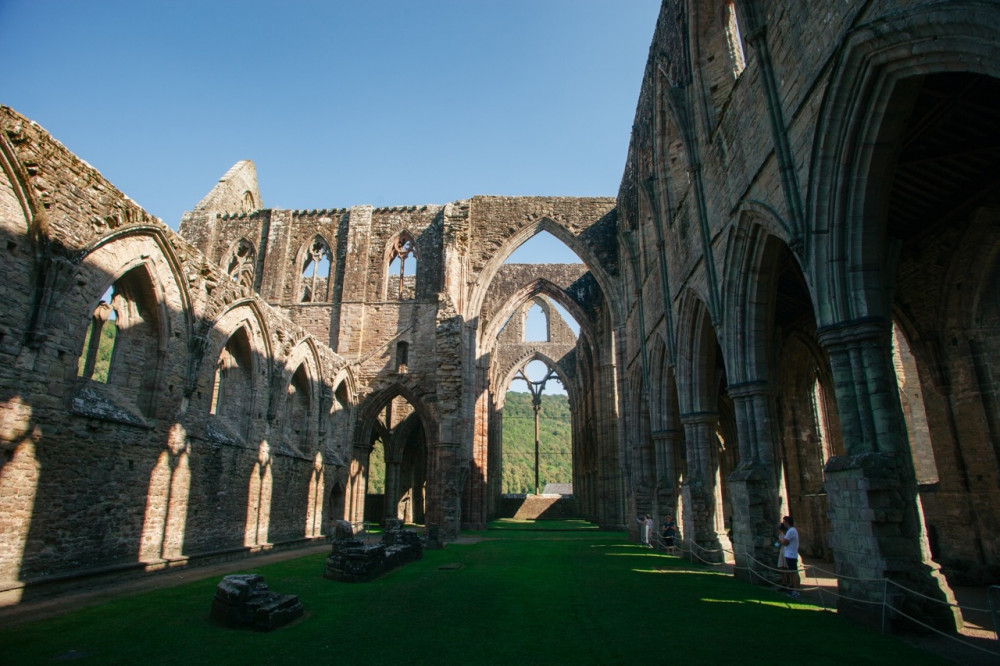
(665, 443)
(753, 484)
(872, 491)
(699, 485)
(610, 447)
(444, 489)
(357, 484)
(393, 494)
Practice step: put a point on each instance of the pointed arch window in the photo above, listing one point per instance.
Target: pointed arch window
(232, 393)
(122, 342)
(242, 263)
(734, 40)
(402, 272)
(249, 203)
(99, 344)
(297, 411)
(536, 323)
(315, 286)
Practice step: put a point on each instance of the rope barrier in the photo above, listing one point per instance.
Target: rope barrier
(938, 631)
(694, 551)
(924, 596)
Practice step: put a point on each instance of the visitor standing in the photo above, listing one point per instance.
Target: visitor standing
(790, 548)
(668, 531)
(645, 530)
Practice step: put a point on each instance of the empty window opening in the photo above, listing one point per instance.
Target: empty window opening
(99, 344)
(543, 248)
(297, 411)
(733, 40)
(376, 469)
(233, 380)
(240, 266)
(537, 436)
(402, 272)
(536, 325)
(402, 354)
(316, 273)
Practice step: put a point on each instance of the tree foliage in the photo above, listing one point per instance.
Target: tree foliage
(555, 443)
(106, 346)
(376, 469)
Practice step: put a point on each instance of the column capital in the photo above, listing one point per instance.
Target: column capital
(843, 334)
(700, 418)
(749, 389)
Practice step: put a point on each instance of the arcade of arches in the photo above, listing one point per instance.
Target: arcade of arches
(791, 307)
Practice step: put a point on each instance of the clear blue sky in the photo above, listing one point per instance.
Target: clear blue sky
(337, 103)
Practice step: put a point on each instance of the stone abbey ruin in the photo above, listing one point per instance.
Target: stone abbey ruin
(791, 307)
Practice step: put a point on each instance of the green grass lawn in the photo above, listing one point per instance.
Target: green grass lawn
(516, 597)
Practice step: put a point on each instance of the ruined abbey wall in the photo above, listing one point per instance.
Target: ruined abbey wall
(166, 454)
(811, 243)
(790, 308)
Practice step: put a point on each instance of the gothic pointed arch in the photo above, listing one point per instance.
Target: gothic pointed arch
(240, 263)
(314, 271)
(298, 399)
(132, 303)
(375, 402)
(235, 376)
(402, 253)
(763, 280)
(697, 370)
(599, 269)
(854, 137)
(539, 286)
(507, 375)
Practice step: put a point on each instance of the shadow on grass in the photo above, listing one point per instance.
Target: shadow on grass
(582, 597)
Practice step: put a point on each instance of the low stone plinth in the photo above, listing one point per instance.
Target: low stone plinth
(244, 600)
(352, 561)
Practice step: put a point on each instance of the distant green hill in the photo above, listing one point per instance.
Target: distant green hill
(555, 451)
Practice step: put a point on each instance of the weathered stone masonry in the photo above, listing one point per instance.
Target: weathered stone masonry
(171, 455)
(791, 307)
(259, 354)
(809, 215)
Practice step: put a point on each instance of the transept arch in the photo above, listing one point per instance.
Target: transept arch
(527, 292)
(517, 238)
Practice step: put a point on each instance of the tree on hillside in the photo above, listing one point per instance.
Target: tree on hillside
(555, 437)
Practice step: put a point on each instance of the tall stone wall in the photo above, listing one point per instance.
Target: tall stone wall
(164, 455)
(793, 201)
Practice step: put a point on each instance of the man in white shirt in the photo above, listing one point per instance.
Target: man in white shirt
(790, 545)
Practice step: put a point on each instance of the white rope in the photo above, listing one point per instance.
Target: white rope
(818, 588)
(938, 601)
(938, 631)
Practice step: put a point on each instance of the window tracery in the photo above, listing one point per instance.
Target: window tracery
(402, 262)
(316, 272)
(242, 263)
